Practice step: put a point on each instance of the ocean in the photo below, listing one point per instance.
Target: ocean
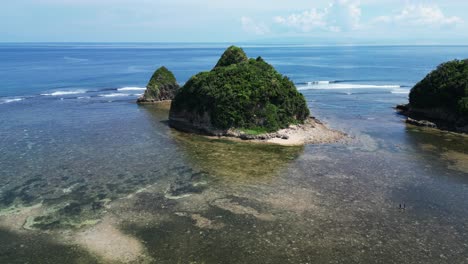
(87, 175)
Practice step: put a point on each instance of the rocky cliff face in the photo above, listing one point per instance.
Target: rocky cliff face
(199, 123)
(161, 87)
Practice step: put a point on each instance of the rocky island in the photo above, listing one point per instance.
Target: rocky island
(247, 99)
(440, 100)
(161, 87)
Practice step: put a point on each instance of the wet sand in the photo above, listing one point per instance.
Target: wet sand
(311, 132)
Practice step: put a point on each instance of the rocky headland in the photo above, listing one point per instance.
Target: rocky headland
(246, 99)
(440, 100)
(162, 87)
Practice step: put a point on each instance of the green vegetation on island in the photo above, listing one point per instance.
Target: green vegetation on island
(162, 86)
(238, 93)
(446, 87)
(442, 97)
(233, 55)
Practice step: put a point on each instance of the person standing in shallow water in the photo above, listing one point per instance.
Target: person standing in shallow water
(403, 207)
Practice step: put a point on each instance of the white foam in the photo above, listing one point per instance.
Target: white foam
(131, 89)
(10, 100)
(74, 59)
(327, 85)
(114, 95)
(65, 92)
(400, 91)
(320, 82)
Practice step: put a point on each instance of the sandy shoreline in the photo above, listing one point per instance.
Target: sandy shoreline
(311, 132)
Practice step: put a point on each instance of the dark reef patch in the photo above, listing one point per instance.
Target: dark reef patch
(40, 248)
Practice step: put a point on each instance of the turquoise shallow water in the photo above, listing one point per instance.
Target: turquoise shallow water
(83, 166)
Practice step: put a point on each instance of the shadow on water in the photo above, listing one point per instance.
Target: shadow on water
(39, 248)
(157, 112)
(448, 148)
(236, 161)
(245, 240)
(228, 160)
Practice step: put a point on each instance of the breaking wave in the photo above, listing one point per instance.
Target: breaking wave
(72, 59)
(10, 100)
(400, 91)
(114, 95)
(131, 89)
(324, 85)
(65, 92)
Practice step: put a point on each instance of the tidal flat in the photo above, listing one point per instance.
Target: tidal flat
(199, 200)
(88, 176)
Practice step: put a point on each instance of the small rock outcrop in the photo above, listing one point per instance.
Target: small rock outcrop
(238, 94)
(161, 87)
(441, 99)
(421, 123)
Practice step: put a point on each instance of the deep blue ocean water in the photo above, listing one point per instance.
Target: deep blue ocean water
(348, 86)
(71, 133)
(35, 69)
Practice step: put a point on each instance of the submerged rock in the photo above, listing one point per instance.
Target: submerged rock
(161, 87)
(247, 95)
(180, 188)
(441, 98)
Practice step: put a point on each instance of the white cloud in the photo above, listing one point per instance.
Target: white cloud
(345, 14)
(421, 15)
(251, 26)
(305, 21)
(339, 15)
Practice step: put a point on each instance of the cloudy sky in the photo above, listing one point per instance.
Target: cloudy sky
(275, 21)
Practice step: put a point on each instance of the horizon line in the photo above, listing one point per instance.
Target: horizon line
(230, 42)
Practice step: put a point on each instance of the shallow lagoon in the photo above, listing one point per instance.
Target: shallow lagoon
(191, 198)
(104, 180)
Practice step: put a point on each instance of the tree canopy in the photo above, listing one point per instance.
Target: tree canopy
(242, 93)
(161, 76)
(232, 55)
(446, 87)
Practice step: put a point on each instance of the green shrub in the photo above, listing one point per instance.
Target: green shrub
(161, 77)
(463, 106)
(446, 87)
(242, 93)
(232, 55)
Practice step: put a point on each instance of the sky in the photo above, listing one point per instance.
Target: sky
(269, 21)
